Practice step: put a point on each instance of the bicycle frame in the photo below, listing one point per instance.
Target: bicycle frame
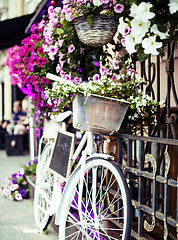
(88, 151)
(61, 193)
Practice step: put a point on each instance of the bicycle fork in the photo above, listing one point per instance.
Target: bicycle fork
(83, 215)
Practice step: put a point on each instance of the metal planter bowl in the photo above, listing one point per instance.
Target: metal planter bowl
(98, 114)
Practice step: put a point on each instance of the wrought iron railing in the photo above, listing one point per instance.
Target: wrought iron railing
(150, 185)
(149, 160)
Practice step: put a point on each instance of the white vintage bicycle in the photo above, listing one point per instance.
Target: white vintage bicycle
(90, 201)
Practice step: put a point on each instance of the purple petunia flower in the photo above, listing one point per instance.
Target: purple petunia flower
(14, 180)
(23, 192)
(35, 161)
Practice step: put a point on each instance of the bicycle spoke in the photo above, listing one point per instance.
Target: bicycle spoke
(102, 204)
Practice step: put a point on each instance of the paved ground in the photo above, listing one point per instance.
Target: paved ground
(16, 218)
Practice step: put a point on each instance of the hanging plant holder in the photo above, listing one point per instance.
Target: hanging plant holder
(98, 114)
(99, 33)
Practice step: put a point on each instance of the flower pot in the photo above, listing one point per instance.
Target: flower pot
(99, 33)
(98, 114)
(31, 179)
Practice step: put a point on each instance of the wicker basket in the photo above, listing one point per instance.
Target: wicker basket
(99, 33)
(98, 114)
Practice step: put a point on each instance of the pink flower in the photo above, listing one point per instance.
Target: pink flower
(41, 24)
(62, 74)
(97, 64)
(127, 30)
(33, 28)
(102, 71)
(14, 187)
(123, 42)
(67, 77)
(41, 61)
(60, 55)
(52, 50)
(96, 77)
(109, 71)
(57, 9)
(10, 198)
(59, 42)
(114, 77)
(118, 8)
(116, 65)
(69, 16)
(24, 183)
(71, 48)
(105, 1)
(58, 68)
(18, 197)
(50, 9)
(40, 50)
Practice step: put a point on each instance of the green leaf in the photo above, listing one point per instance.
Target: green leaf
(89, 20)
(59, 31)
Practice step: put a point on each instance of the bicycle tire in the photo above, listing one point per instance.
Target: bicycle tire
(43, 189)
(110, 219)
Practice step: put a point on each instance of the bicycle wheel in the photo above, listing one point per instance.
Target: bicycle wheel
(105, 205)
(43, 189)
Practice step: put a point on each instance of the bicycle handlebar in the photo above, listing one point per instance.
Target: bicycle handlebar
(55, 78)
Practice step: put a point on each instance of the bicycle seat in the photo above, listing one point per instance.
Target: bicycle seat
(61, 116)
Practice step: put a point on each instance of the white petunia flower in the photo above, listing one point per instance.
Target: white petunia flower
(150, 45)
(130, 44)
(173, 6)
(156, 31)
(144, 9)
(97, 3)
(122, 26)
(139, 29)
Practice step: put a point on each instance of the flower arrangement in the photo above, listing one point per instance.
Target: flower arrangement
(16, 187)
(143, 26)
(146, 26)
(88, 8)
(125, 86)
(27, 65)
(54, 47)
(73, 59)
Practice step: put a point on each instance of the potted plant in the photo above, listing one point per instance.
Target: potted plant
(143, 26)
(27, 66)
(95, 21)
(126, 87)
(20, 185)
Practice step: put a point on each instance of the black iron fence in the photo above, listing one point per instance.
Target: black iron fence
(149, 159)
(154, 192)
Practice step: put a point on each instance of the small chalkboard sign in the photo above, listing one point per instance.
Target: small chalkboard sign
(61, 157)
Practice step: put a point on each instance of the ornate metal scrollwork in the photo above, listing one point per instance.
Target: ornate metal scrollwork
(150, 226)
(165, 231)
(149, 158)
(167, 162)
(152, 160)
(172, 120)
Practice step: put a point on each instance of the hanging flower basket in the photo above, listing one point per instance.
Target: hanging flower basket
(99, 33)
(98, 114)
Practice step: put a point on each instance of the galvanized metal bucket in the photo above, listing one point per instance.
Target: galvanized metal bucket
(98, 114)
